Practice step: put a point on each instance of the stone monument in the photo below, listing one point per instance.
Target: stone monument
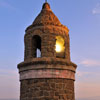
(47, 72)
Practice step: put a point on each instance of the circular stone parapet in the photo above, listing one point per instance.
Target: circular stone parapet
(47, 73)
(47, 68)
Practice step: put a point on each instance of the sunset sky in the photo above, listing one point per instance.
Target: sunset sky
(82, 17)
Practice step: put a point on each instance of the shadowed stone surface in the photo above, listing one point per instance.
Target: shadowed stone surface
(47, 89)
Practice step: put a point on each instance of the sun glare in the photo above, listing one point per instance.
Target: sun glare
(58, 48)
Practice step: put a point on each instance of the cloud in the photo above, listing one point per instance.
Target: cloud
(96, 10)
(6, 5)
(87, 90)
(9, 84)
(90, 62)
(89, 98)
(81, 73)
(8, 72)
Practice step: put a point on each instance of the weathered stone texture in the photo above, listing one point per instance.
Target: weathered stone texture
(49, 77)
(48, 41)
(47, 89)
(47, 73)
(47, 26)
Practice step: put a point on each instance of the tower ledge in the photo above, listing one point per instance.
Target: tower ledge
(45, 60)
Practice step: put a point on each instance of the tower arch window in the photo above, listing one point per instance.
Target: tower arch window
(60, 47)
(36, 46)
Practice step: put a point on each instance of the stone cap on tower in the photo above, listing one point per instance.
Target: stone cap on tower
(46, 16)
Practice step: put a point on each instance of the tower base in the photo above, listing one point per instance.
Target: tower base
(47, 89)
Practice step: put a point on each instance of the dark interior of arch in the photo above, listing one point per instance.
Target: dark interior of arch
(36, 44)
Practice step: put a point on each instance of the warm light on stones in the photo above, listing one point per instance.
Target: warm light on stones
(59, 44)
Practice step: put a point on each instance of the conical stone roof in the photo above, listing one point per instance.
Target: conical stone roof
(46, 17)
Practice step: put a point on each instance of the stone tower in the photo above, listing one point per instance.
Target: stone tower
(47, 72)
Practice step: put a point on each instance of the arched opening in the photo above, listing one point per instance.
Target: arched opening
(36, 46)
(60, 47)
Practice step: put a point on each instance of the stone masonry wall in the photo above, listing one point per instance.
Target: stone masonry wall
(48, 40)
(47, 77)
(47, 89)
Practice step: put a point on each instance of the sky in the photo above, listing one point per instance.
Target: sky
(82, 17)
